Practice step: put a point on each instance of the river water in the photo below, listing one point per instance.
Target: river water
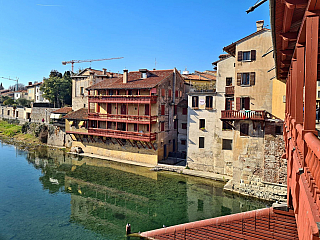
(49, 194)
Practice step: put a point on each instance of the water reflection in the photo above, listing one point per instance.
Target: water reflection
(107, 195)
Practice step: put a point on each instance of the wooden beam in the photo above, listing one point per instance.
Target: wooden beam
(287, 52)
(130, 142)
(111, 141)
(297, 3)
(291, 36)
(141, 144)
(286, 62)
(119, 142)
(287, 17)
(135, 142)
(285, 69)
(152, 146)
(148, 145)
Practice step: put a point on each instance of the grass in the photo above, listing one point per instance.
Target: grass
(12, 130)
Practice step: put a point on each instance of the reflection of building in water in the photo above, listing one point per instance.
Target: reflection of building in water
(100, 207)
(209, 200)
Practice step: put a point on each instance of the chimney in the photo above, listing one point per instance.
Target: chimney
(259, 24)
(125, 76)
(30, 83)
(104, 71)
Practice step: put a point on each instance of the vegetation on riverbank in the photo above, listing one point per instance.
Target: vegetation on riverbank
(11, 130)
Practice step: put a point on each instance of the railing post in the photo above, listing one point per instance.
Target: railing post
(311, 70)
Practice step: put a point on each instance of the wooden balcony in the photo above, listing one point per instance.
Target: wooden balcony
(144, 99)
(242, 115)
(141, 119)
(139, 136)
(229, 90)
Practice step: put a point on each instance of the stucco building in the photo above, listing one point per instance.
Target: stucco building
(132, 117)
(85, 79)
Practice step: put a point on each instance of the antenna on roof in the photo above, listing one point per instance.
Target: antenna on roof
(155, 63)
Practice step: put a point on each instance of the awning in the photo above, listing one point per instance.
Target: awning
(81, 123)
(55, 116)
(71, 122)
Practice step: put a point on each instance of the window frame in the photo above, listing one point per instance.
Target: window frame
(242, 79)
(244, 129)
(226, 143)
(201, 142)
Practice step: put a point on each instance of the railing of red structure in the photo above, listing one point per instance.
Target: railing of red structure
(229, 90)
(119, 117)
(123, 98)
(123, 134)
(243, 114)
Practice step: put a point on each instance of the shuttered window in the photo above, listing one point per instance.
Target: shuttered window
(244, 129)
(247, 55)
(162, 109)
(163, 92)
(201, 142)
(195, 101)
(246, 79)
(162, 126)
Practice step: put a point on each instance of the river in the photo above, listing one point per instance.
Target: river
(49, 194)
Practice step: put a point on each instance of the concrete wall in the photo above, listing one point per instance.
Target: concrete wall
(39, 113)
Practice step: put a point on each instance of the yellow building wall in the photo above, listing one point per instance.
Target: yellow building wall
(130, 156)
(278, 94)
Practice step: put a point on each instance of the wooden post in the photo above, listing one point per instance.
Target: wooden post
(311, 57)
(300, 82)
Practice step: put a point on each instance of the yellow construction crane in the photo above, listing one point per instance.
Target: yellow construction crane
(89, 60)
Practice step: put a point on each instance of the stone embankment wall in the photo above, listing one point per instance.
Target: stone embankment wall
(58, 137)
(268, 181)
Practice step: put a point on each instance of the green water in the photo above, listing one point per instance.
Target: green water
(48, 194)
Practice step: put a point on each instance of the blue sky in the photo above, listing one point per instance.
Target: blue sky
(36, 36)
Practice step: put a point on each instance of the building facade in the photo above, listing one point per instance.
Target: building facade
(85, 79)
(133, 117)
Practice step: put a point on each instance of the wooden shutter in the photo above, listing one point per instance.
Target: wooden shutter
(238, 79)
(253, 55)
(247, 103)
(252, 78)
(238, 103)
(163, 92)
(162, 109)
(240, 56)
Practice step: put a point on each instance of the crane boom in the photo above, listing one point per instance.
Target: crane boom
(88, 60)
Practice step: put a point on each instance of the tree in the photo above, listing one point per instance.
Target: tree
(9, 101)
(23, 102)
(14, 87)
(57, 88)
(1, 87)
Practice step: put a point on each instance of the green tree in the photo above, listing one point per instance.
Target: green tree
(23, 102)
(57, 88)
(8, 101)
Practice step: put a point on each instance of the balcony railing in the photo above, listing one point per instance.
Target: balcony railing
(122, 99)
(229, 90)
(123, 118)
(243, 114)
(139, 136)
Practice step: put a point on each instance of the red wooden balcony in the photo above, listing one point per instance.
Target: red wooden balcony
(144, 99)
(139, 136)
(229, 90)
(142, 119)
(242, 114)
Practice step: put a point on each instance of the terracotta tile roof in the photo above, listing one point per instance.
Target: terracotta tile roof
(231, 49)
(221, 57)
(63, 110)
(81, 114)
(199, 76)
(35, 84)
(135, 81)
(268, 223)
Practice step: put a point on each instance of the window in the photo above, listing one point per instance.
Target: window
(229, 81)
(175, 124)
(247, 55)
(226, 144)
(183, 142)
(229, 104)
(162, 109)
(278, 130)
(201, 142)
(163, 92)
(195, 101)
(184, 111)
(200, 205)
(162, 126)
(81, 90)
(246, 79)
(284, 98)
(183, 125)
(17, 113)
(169, 93)
(135, 127)
(318, 94)
(209, 100)
(245, 103)
(175, 109)
(202, 124)
(244, 129)
(129, 92)
(110, 92)
(8, 112)
(176, 94)
(318, 83)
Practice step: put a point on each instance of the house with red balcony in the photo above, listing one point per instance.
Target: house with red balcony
(133, 117)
